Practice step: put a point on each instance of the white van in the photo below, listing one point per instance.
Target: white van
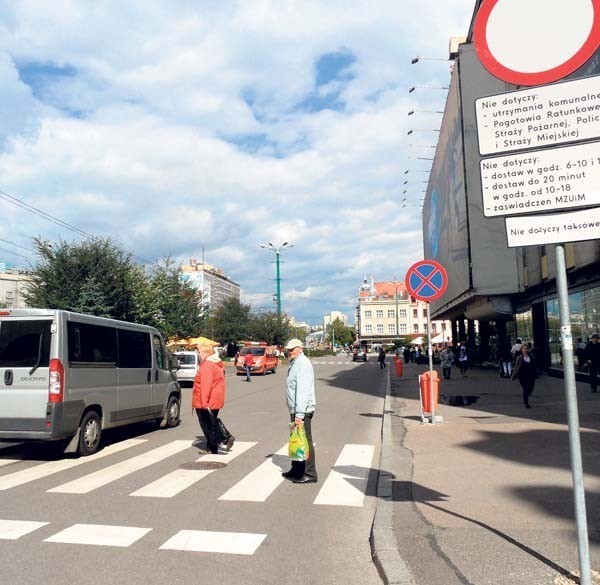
(66, 375)
(189, 362)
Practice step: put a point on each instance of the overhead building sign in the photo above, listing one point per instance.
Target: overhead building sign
(541, 180)
(544, 116)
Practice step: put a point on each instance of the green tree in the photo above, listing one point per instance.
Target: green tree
(92, 275)
(230, 322)
(173, 306)
(297, 333)
(343, 335)
(270, 327)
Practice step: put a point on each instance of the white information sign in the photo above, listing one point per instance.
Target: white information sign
(557, 228)
(542, 180)
(542, 116)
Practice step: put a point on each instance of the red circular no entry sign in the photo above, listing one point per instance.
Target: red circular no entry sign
(533, 42)
(426, 280)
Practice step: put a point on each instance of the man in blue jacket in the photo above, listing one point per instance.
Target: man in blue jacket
(301, 401)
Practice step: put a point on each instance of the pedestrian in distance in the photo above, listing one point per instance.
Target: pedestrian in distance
(208, 397)
(301, 401)
(463, 359)
(248, 366)
(515, 350)
(381, 358)
(406, 355)
(506, 360)
(446, 361)
(526, 372)
(592, 356)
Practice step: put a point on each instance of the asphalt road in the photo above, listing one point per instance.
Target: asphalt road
(133, 515)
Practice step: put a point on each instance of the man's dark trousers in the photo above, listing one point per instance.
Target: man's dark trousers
(308, 467)
(594, 376)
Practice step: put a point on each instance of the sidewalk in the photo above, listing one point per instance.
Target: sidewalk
(484, 497)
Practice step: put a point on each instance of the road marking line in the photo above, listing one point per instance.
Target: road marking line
(100, 478)
(347, 482)
(180, 479)
(235, 543)
(8, 461)
(13, 529)
(100, 535)
(259, 484)
(52, 467)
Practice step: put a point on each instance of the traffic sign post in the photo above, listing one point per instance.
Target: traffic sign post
(427, 281)
(512, 40)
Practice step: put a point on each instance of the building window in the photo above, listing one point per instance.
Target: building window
(380, 313)
(403, 328)
(369, 328)
(416, 328)
(402, 313)
(380, 328)
(392, 328)
(368, 314)
(434, 328)
(9, 294)
(424, 313)
(391, 313)
(415, 313)
(443, 326)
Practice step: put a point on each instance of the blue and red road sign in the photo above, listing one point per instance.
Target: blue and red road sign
(426, 280)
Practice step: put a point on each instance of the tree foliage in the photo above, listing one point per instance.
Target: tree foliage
(230, 322)
(97, 278)
(269, 327)
(343, 335)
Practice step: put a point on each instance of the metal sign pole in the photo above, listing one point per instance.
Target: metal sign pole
(572, 417)
(430, 351)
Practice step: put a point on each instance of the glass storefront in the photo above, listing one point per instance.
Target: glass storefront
(584, 307)
(523, 326)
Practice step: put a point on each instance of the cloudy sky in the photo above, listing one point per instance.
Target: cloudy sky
(177, 126)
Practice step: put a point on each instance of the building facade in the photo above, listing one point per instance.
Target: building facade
(386, 313)
(13, 286)
(508, 292)
(210, 281)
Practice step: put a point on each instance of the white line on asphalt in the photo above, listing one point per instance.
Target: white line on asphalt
(100, 478)
(8, 461)
(100, 535)
(180, 479)
(346, 484)
(235, 543)
(46, 469)
(259, 484)
(13, 529)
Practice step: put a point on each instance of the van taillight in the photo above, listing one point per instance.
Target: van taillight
(57, 381)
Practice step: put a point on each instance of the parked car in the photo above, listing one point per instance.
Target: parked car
(359, 355)
(189, 362)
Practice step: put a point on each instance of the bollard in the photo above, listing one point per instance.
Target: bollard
(399, 367)
(425, 391)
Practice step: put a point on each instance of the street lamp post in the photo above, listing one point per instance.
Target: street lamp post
(277, 251)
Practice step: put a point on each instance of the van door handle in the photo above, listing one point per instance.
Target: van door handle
(8, 377)
(148, 377)
(156, 376)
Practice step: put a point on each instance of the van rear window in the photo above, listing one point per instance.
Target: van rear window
(186, 359)
(91, 343)
(20, 344)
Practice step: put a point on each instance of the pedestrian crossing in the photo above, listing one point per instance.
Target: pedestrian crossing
(345, 485)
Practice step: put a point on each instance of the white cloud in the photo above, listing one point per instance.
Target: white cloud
(187, 131)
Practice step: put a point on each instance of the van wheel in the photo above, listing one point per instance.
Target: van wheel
(90, 434)
(173, 412)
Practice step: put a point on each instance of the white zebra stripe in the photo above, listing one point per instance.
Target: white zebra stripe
(45, 469)
(109, 474)
(259, 484)
(346, 486)
(180, 479)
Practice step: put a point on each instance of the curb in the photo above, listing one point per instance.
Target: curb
(392, 568)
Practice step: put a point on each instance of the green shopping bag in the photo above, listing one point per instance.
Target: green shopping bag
(298, 445)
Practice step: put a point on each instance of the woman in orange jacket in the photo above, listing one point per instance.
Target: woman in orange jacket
(208, 398)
